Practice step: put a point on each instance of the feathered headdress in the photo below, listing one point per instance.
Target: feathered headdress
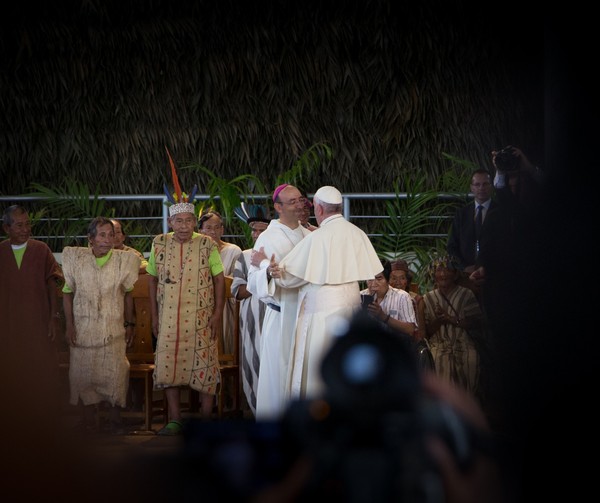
(178, 201)
(252, 213)
(441, 260)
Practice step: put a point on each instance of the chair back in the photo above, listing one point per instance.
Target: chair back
(229, 364)
(142, 349)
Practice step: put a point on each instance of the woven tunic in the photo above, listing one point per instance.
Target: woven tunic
(185, 355)
(98, 365)
(453, 348)
(252, 312)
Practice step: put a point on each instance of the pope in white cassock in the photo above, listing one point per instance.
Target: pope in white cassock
(326, 266)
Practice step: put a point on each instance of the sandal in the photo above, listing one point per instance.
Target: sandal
(172, 428)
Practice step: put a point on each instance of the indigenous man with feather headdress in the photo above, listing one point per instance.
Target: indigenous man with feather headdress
(187, 292)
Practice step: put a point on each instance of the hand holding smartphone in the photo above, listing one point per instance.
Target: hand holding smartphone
(366, 299)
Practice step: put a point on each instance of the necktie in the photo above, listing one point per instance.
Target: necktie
(478, 220)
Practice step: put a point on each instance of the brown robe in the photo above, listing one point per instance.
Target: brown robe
(28, 361)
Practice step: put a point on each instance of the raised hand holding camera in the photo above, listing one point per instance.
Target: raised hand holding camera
(509, 162)
(506, 160)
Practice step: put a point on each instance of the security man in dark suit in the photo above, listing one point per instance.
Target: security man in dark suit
(464, 237)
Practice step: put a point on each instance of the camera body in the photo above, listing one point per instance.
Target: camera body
(363, 439)
(367, 435)
(506, 160)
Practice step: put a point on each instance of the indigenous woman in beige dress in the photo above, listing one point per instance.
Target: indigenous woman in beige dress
(99, 319)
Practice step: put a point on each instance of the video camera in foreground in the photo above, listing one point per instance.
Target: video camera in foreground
(367, 435)
(364, 440)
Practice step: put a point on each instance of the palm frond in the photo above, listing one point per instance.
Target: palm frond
(223, 193)
(71, 208)
(306, 164)
(412, 226)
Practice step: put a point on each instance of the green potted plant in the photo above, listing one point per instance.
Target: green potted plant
(417, 225)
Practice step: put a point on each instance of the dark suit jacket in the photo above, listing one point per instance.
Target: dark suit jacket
(462, 242)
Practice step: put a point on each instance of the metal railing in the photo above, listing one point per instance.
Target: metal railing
(162, 215)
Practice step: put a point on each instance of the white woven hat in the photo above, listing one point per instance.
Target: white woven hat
(175, 209)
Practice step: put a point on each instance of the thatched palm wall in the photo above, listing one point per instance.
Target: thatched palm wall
(93, 90)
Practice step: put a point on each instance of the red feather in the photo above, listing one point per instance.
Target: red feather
(176, 185)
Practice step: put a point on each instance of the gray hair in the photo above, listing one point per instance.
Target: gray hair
(97, 222)
(7, 217)
(330, 209)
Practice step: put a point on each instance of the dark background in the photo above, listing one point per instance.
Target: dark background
(94, 90)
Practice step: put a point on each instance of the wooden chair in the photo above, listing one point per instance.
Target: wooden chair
(141, 354)
(229, 364)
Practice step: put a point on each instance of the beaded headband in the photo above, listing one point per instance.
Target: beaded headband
(446, 261)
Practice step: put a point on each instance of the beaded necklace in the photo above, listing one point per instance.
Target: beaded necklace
(183, 263)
